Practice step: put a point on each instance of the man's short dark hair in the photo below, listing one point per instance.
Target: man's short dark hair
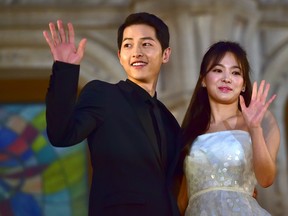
(161, 29)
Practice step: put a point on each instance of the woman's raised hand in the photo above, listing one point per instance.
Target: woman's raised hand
(254, 113)
(62, 44)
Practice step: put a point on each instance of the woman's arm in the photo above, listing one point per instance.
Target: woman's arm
(266, 141)
(264, 132)
(182, 198)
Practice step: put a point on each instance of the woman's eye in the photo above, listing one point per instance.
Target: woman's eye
(217, 70)
(236, 72)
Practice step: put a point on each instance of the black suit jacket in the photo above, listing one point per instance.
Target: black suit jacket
(130, 178)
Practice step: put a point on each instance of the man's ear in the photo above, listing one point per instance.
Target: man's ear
(119, 56)
(166, 55)
(118, 53)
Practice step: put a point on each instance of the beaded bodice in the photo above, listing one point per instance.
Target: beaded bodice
(221, 159)
(220, 175)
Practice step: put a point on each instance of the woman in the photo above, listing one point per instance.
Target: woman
(231, 139)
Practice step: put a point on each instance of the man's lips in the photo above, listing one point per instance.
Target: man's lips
(137, 64)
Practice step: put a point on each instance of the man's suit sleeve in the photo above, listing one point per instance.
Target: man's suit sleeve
(66, 125)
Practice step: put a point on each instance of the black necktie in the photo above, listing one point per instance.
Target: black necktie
(159, 126)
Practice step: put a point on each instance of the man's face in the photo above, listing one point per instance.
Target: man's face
(141, 54)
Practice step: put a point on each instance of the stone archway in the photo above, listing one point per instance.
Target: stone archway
(100, 62)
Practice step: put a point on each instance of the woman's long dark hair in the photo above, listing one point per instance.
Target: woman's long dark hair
(197, 117)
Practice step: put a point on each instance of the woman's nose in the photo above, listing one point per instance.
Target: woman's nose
(226, 78)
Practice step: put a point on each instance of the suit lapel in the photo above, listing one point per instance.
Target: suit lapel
(143, 116)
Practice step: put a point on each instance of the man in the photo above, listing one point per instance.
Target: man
(133, 156)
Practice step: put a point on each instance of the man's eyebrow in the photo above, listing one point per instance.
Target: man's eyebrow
(143, 38)
(147, 38)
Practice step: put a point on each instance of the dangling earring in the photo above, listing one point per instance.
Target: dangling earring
(243, 89)
(203, 85)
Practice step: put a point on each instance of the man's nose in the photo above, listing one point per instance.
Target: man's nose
(137, 52)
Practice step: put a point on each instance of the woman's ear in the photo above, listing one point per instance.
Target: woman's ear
(203, 84)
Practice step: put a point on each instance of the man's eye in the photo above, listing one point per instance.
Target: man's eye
(127, 45)
(146, 44)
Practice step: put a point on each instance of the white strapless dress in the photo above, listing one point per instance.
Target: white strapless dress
(220, 176)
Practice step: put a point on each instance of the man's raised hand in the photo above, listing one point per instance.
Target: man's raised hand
(62, 44)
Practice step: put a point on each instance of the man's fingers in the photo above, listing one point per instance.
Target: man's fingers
(81, 47)
(71, 36)
(48, 39)
(54, 34)
(61, 31)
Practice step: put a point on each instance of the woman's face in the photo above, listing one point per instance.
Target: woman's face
(224, 81)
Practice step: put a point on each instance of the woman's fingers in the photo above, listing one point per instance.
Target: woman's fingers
(260, 90)
(270, 101)
(254, 91)
(265, 93)
(242, 103)
(261, 93)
